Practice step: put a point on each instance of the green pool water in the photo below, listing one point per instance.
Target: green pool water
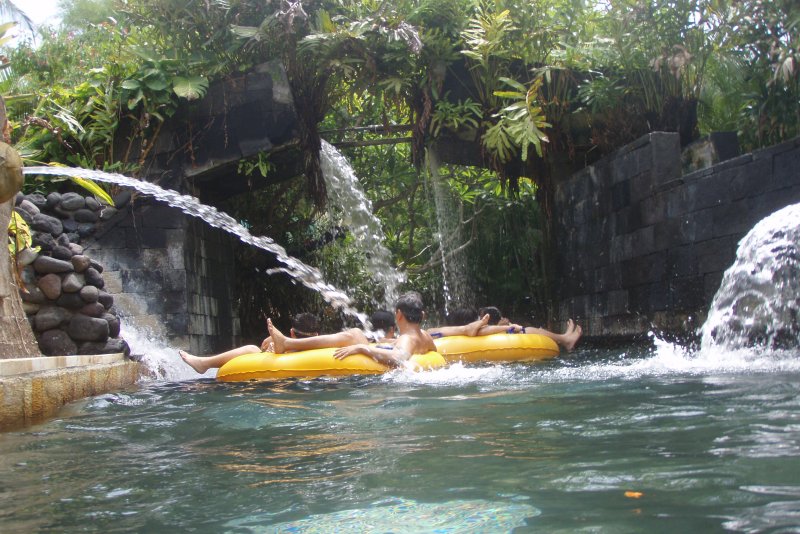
(636, 440)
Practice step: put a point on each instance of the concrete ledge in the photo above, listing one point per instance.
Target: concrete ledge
(16, 366)
(31, 397)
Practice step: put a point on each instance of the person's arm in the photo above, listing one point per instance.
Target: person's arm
(392, 357)
(500, 329)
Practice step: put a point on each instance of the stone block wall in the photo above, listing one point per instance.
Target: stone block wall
(639, 245)
(171, 275)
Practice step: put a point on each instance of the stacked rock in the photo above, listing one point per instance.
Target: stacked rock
(63, 294)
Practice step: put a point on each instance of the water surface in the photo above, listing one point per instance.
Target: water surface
(638, 440)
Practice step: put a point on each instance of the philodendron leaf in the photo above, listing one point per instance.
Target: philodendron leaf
(190, 88)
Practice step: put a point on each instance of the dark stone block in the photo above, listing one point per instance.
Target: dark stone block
(97, 266)
(122, 198)
(43, 240)
(63, 241)
(47, 224)
(86, 229)
(644, 269)
(687, 294)
(713, 190)
(716, 254)
(89, 294)
(114, 324)
(71, 301)
(142, 281)
(93, 309)
(178, 323)
(667, 233)
(620, 195)
(726, 144)
(105, 299)
(62, 253)
(46, 265)
(174, 280)
(146, 238)
(37, 199)
(53, 200)
(86, 216)
(732, 219)
(27, 210)
(51, 318)
(85, 328)
(70, 226)
(163, 216)
(57, 343)
(72, 202)
(171, 302)
(682, 262)
(94, 278)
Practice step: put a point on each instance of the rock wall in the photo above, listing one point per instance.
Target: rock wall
(63, 294)
(639, 245)
(171, 275)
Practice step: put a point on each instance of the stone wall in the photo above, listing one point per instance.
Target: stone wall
(639, 245)
(171, 275)
(62, 286)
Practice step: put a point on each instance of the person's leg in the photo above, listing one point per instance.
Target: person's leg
(470, 329)
(201, 364)
(567, 340)
(282, 344)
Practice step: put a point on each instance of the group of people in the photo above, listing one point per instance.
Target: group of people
(395, 338)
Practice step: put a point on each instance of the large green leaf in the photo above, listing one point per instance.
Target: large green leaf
(190, 88)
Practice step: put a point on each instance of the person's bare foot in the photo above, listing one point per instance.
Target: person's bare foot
(195, 362)
(278, 339)
(572, 335)
(474, 327)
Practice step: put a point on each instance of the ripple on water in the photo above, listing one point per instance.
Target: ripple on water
(401, 515)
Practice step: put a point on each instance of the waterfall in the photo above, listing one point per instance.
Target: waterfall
(455, 283)
(758, 302)
(345, 192)
(299, 271)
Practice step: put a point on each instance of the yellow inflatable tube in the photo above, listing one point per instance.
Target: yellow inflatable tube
(312, 363)
(497, 348)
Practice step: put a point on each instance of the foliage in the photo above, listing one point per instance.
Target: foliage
(532, 80)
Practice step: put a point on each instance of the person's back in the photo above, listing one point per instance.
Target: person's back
(412, 338)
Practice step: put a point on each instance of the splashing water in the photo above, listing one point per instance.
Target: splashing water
(159, 358)
(758, 302)
(344, 190)
(305, 274)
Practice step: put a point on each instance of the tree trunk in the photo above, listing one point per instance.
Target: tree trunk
(16, 336)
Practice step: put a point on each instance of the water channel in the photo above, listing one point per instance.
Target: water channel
(652, 438)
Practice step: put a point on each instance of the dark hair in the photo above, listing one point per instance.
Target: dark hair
(382, 320)
(461, 316)
(494, 314)
(410, 304)
(305, 325)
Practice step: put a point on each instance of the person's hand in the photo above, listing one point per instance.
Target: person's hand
(266, 345)
(344, 352)
(515, 329)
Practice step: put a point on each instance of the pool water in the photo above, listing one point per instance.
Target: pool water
(654, 439)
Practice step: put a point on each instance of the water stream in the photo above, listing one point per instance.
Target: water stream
(758, 302)
(456, 287)
(299, 271)
(345, 192)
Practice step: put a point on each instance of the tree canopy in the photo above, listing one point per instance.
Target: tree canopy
(535, 87)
